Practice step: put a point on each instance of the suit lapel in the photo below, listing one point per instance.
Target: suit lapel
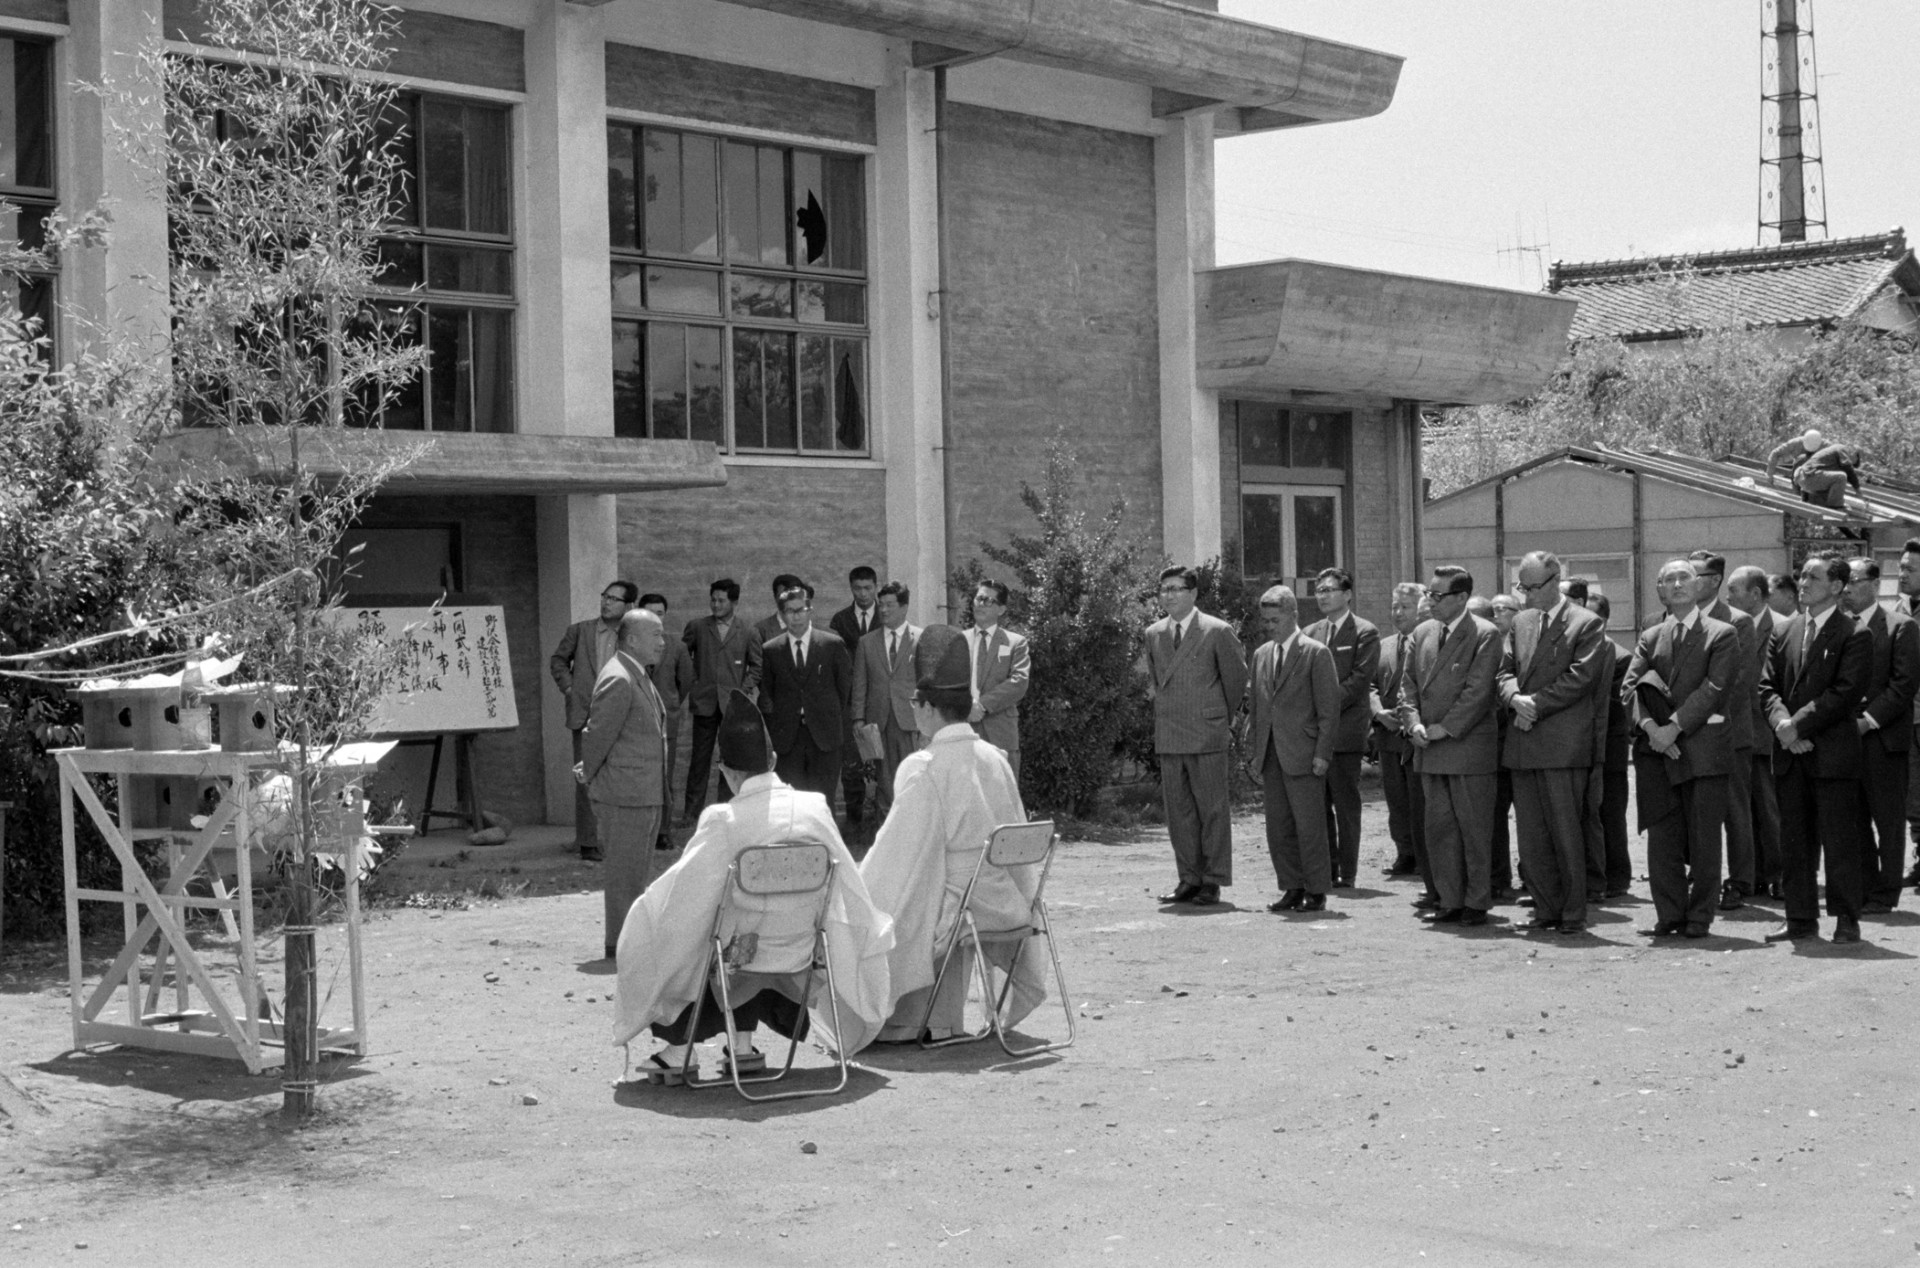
(1283, 666)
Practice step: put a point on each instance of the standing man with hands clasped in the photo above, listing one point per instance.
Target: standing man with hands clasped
(1000, 661)
(1196, 676)
(1296, 717)
(584, 649)
(623, 764)
(1447, 706)
(1552, 659)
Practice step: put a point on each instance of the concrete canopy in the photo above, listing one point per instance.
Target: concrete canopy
(1298, 325)
(1196, 59)
(455, 462)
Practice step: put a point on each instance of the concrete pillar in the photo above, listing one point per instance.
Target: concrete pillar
(1189, 413)
(906, 343)
(115, 296)
(567, 323)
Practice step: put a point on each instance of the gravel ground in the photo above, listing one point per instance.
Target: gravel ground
(1352, 1088)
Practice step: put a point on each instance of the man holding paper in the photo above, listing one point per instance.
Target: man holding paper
(1676, 688)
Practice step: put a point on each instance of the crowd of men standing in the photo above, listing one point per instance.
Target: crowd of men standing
(1767, 722)
(838, 704)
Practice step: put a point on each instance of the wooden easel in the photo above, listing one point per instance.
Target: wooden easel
(466, 790)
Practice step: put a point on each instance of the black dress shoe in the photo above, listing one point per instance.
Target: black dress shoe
(1846, 929)
(1343, 882)
(1694, 929)
(591, 854)
(1289, 901)
(1732, 897)
(1777, 892)
(1314, 902)
(1573, 926)
(1665, 929)
(1205, 896)
(1795, 931)
(1427, 902)
(1399, 869)
(1182, 893)
(1472, 916)
(1451, 916)
(1542, 922)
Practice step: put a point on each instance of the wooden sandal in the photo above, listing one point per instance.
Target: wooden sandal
(752, 1063)
(662, 1073)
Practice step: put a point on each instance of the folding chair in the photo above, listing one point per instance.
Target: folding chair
(1011, 845)
(770, 926)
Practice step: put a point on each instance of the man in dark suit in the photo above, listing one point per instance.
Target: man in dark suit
(623, 764)
(884, 683)
(1615, 787)
(1747, 591)
(1549, 663)
(1817, 672)
(1355, 644)
(1447, 703)
(1500, 610)
(806, 688)
(1196, 677)
(1297, 703)
(672, 677)
(1676, 686)
(1709, 575)
(1885, 723)
(851, 623)
(726, 657)
(1406, 809)
(1910, 604)
(583, 650)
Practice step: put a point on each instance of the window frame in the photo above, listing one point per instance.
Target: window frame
(632, 321)
(1289, 495)
(39, 200)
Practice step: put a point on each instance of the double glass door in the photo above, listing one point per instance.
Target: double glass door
(1289, 532)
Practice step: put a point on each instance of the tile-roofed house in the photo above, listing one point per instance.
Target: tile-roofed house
(1801, 286)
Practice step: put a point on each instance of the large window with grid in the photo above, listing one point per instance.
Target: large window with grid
(452, 243)
(26, 169)
(739, 277)
(1293, 469)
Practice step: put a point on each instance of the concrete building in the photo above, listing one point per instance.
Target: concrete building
(1614, 516)
(730, 289)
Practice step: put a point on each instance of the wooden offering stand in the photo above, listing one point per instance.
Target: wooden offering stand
(172, 995)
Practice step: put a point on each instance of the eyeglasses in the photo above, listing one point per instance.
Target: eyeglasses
(1329, 589)
(982, 601)
(1538, 585)
(1170, 589)
(613, 598)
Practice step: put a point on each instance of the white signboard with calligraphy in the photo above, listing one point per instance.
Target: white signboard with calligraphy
(454, 675)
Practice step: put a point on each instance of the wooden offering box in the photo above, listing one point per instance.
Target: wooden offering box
(146, 718)
(107, 721)
(247, 715)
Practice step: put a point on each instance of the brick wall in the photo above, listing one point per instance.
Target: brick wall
(37, 10)
(1054, 311)
(1370, 515)
(720, 93)
(497, 546)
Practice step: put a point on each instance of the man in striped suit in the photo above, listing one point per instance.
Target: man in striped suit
(1406, 809)
(1355, 644)
(1197, 674)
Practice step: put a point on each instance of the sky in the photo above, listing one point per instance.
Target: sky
(1525, 131)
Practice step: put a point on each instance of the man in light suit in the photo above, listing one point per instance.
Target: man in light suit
(1549, 665)
(1406, 809)
(1709, 573)
(1447, 704)
(1355, 644)
(1001, 661)
(575, 664)
(1297, 703)
(1747, 591)
(851, 624)
(1817, 671)
(623, 764)
(883, 685)
(672, 677)
(1196, 677)
(726, 657)
(1885, 723)
(806, 686)
(1676, 686)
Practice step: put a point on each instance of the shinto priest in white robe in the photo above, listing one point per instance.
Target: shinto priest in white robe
(947, 799)
(665, 941)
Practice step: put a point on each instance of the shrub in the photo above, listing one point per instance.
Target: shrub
(1076, 591)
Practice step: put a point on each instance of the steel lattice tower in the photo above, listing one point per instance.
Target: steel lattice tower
(1792, 202)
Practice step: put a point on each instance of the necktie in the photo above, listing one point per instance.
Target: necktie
(799, 654)
(1399, 669)
(893, 650)
(1806, 641)
(980, 664)
(1176, 636)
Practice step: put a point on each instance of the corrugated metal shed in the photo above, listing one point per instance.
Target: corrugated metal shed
(1794, 284)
